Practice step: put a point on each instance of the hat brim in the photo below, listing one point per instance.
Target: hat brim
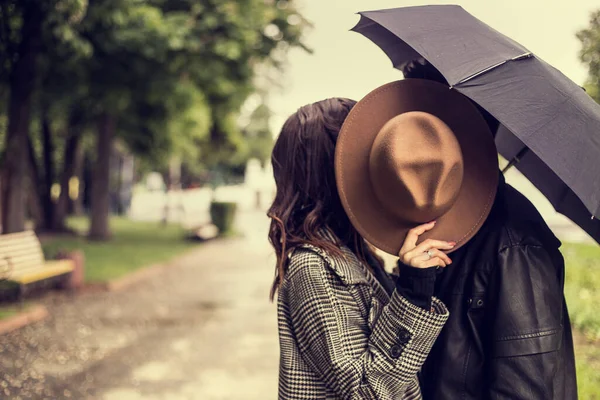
(480, 181)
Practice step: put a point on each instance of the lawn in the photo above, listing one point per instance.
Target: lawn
(134, 245)
(10, 310)
(582, 289)
(6, 312)
(587, 355)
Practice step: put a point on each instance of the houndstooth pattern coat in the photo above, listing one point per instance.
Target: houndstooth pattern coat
(343, 337)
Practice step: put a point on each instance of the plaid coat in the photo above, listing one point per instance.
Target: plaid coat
(343, 337)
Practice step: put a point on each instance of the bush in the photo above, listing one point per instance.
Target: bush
(223, 215)
(9, 291)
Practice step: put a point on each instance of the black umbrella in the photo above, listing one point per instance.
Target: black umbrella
(550, 127)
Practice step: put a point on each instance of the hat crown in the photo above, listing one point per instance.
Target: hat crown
(416, 167)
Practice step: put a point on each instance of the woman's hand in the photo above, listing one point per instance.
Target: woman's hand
(427, 254)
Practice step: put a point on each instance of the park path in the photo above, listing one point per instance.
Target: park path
(203, 329)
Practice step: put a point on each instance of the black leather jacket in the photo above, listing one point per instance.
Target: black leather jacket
(508, 336)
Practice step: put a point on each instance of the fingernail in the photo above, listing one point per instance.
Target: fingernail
(452, 244)
(433, 222)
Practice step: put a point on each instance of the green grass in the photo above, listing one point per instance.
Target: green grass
(7, 311)
(134, 245)
(582, 287)
(587, 356)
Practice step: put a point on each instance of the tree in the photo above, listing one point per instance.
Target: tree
(158, 48)
(167, 77)
(63, 111)
(21, 77)
(258, 133)
(129, 68)
(227, 41)
(590, 54)
(23, 25)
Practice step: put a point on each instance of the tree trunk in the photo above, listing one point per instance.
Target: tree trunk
(127, 177)
(100, 201)
(1, 198)
(87, 174)
(119, 185)
(77, 207)
(71, 158)
(48, 178)
(34, 196)
(22, 81)
(35, 211)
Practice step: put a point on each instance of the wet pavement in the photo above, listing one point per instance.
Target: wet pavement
(202, 329)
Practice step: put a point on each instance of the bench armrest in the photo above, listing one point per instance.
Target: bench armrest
(6, 268)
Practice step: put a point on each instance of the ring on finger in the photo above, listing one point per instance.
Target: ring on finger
(429, 254)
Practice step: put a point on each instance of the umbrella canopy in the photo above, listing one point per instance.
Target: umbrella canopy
(549, 124)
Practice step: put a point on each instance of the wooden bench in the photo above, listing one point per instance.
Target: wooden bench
(22, 261)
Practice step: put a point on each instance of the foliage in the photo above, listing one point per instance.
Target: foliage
(7, 312)
(60, 48)
(582, 287)
(179, 71)
(59, 19)
(174, 70)
(135, 245)
(258, 134)
(587, 357)
(201, 56)
(590, 54)
(168, 78)
(226, 41)
(223, 216)
(192, 126)
(27, 29)
(582, 290)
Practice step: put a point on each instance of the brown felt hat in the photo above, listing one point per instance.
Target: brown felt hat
(411, 152)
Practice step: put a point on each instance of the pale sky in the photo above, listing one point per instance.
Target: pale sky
(345, 64)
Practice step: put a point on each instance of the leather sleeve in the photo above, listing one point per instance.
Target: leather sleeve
(526, 315)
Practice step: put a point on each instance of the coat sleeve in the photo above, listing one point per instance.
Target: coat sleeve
(355, 360)
(527, 328)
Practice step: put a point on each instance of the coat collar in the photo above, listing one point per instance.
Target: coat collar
(348, 268)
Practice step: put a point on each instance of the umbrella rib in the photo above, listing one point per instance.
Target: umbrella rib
(516, 159)
(483, 71)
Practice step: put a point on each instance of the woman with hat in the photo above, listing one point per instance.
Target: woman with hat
(389, 171)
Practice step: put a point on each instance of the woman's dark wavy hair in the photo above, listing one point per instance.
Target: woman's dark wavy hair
(307, 199)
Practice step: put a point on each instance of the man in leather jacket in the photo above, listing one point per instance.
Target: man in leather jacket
(509, 335)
